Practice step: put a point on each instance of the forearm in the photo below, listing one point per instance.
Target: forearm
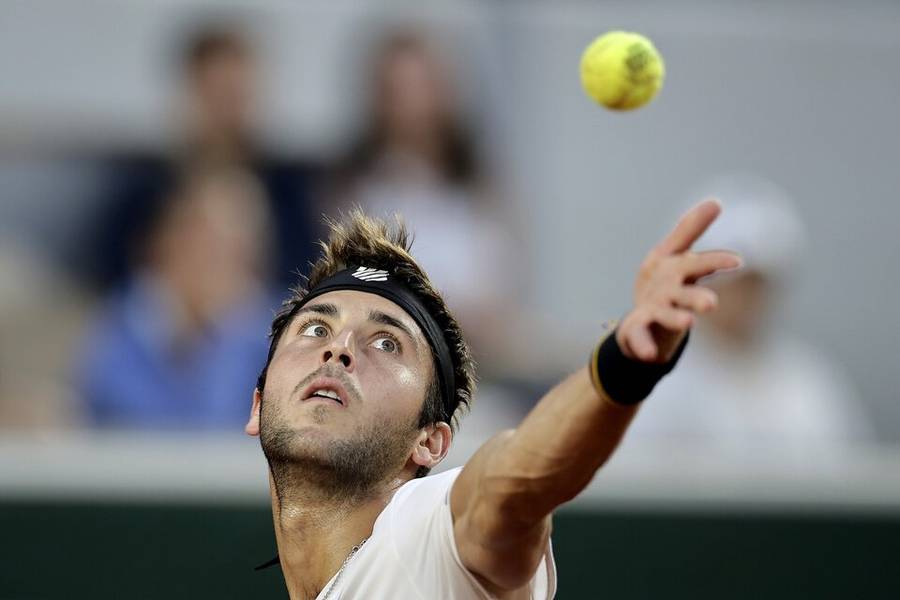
(558, 447)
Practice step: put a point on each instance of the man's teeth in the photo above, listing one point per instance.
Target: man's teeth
(328, 394)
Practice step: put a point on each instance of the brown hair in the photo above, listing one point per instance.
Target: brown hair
(211, 43)
(358, 239)
(459, 159)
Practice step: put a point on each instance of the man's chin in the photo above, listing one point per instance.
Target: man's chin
(299, 442)
(314, 436)
(309, 438)
(318, 412)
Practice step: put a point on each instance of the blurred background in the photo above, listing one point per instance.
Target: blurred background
(164, 170)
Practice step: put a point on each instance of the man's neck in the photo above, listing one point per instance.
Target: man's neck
(315, 535)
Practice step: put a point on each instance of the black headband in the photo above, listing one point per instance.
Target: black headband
(382, 283)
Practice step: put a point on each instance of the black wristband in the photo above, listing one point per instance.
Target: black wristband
(625, 380)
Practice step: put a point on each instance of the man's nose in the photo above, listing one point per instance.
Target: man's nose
(341, 349)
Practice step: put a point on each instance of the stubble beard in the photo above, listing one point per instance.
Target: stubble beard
(341, 470)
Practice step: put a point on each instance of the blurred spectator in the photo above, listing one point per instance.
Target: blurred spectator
(215, 124)
(743, 383)
(416, 157)
(181, 345)
(219, 74)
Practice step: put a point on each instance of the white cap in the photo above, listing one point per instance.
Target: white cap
(758, 220)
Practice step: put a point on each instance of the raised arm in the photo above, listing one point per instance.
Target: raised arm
(503, 499)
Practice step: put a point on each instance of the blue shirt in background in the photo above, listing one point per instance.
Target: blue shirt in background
(133, 375)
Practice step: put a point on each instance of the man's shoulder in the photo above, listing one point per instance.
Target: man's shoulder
(417, 510)
(426, 489)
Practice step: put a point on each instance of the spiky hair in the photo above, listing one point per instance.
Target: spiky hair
(358, 239)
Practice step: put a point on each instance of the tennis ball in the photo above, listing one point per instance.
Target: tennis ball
(622, 70)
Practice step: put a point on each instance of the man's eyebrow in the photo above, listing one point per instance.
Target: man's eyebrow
(385, 319)
(324, 308)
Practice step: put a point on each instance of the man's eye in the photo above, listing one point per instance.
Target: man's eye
(315, 330)
(387, 344)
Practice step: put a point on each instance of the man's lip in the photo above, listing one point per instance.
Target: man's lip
(326, 383)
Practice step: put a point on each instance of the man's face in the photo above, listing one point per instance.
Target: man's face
(744, 304)
(225, 91)
(413, 95)
(345, 387)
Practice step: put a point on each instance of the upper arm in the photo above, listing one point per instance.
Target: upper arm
(497, 539)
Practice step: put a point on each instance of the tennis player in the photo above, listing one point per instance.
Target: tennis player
(367, 375)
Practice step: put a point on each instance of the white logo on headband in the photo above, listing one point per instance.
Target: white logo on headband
(367, 274)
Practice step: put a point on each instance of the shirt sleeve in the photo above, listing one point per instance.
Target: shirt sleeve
(421, 530)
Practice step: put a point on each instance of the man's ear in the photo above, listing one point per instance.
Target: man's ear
(432, 445)
(252, 426)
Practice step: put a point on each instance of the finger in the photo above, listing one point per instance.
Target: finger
(696, 298)
(673, 319)
(701, 264)
(689, 228)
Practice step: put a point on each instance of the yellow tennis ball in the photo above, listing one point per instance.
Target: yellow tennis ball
(622, 70)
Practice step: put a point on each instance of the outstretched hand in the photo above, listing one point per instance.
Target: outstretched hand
(666, 294)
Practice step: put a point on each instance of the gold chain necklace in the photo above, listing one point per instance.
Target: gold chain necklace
(340, 572)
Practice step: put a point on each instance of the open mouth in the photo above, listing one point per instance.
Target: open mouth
(328, 394)
(327, 388)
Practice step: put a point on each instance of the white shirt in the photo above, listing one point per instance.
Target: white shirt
(412, 554)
